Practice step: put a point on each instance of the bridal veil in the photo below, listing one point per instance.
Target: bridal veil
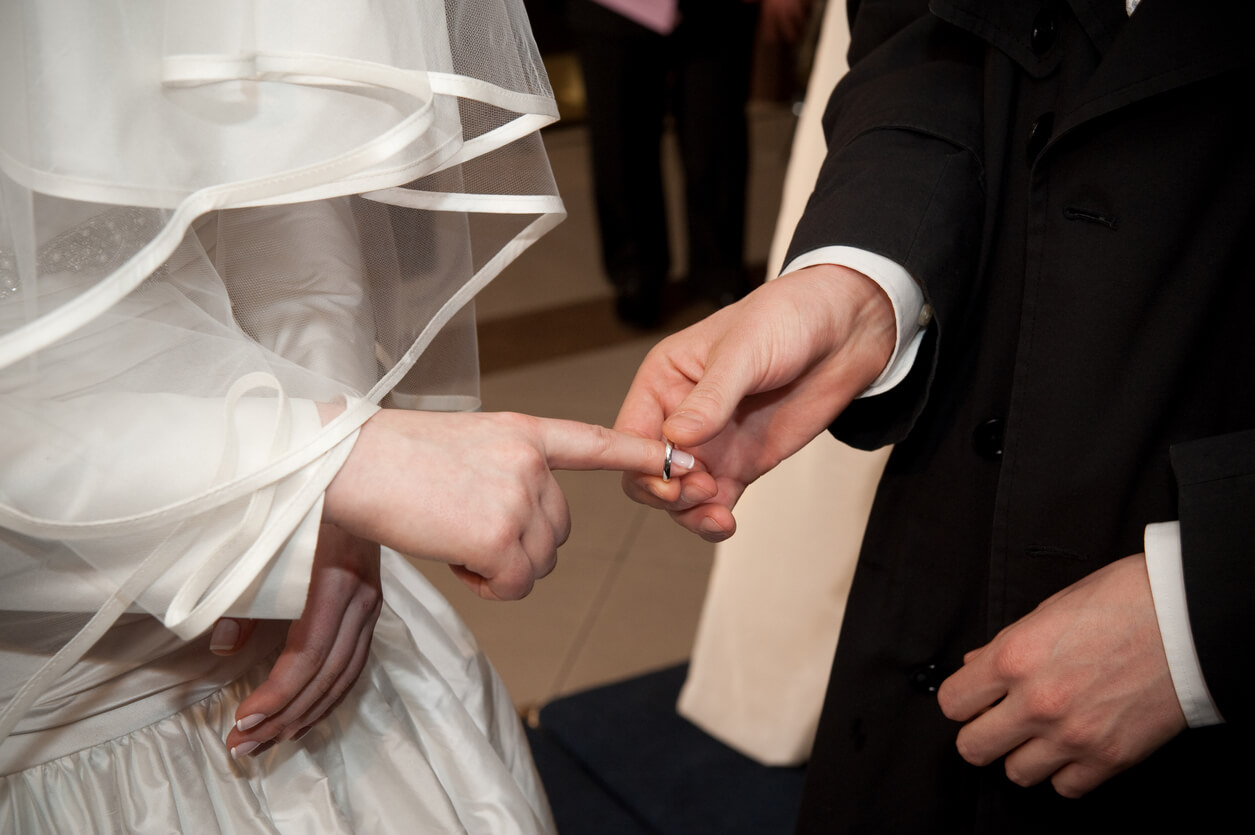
(229, 232)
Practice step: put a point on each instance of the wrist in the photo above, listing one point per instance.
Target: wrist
(346, 502)
(861, 318)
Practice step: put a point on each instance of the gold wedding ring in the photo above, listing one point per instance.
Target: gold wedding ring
(666, 463)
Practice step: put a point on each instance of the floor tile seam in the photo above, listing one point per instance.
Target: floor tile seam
(597, 605)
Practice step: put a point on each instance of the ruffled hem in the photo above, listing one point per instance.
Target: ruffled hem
(427, 741)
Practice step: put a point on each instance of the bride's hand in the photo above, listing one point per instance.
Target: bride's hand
(476, 490)
(325, 650)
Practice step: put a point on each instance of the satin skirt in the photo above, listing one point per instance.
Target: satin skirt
(427, 741)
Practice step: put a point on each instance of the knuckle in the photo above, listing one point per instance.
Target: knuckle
(366, 605)
(660, 353)
(1048, 702)
(560, 521)
(1014, 660)
(514, 590)
(544, 566)
(500, 535)
(531, 454)
(1111, 755)
(280, 725)
(528, 462)
(323, 682)
(604, 439)
(516, 421)
(512, 455)
(1117, 757)
(305, 658)
(1077, 735)
(706, 397)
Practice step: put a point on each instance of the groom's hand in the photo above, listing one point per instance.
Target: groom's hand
(753, 383)
(1074, 692)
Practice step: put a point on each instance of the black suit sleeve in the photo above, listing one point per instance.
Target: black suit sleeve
(1216, 500)
(903, 178)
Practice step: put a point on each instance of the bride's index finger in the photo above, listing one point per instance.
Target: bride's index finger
(571, 445)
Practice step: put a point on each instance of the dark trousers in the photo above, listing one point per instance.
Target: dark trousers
(701, 74)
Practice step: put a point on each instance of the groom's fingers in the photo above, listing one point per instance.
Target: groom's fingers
(571, 445)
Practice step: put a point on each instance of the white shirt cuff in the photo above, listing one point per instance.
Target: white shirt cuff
(1167, 588)
(909, 310)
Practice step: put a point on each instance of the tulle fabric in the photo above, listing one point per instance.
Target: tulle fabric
(426, 742)
(214, 217)
(229, 232)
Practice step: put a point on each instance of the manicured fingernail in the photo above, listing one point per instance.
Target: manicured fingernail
(225, 635)
(682, 459)
(251, 721)
(244, 748)
(685, 422)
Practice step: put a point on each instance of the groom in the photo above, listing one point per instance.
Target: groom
(1027, 265)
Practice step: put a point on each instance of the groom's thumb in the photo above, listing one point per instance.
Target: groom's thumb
(707, 409)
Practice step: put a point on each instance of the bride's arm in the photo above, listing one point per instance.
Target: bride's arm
(474, 490)
(298, 286)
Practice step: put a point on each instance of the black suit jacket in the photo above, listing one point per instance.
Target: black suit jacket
(1074, 191)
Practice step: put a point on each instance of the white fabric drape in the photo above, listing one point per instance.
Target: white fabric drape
(229, 232)
(427, 741)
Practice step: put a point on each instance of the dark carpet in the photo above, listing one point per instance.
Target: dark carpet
(619, 760)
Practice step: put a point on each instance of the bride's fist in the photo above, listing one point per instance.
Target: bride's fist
(475, 490)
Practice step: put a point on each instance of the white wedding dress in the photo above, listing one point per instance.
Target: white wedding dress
(214, 218)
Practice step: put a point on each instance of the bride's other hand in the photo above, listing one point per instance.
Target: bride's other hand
(476, 490)
(230, 635)
(325, 650)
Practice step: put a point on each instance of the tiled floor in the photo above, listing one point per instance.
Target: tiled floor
(627, 592)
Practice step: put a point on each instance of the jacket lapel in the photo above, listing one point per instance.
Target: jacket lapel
(1164, 46)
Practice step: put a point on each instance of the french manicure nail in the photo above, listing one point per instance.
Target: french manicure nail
(682, 459)
(224, 636)
(244, 748)
(251, 721)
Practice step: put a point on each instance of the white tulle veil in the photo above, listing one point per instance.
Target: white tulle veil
(215, 219)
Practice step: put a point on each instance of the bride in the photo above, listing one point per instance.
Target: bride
(238, 243)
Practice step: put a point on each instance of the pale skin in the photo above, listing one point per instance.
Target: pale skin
(1073, 693)
(475, 491)
(325, 649)
(753, 383)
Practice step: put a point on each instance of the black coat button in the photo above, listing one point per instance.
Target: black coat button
(927, 679)
(1045, 32)
(987, 439)
(1039, 135)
